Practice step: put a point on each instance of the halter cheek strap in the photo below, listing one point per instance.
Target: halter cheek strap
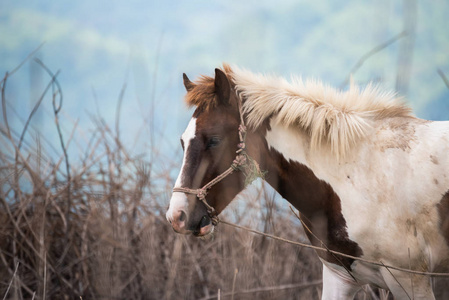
(236, 165)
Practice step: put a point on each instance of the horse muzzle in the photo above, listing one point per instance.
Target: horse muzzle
(180, 223)
(205, 227)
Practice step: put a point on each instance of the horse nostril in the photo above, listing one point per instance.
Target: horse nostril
(179, 222)
(205, 220)
(182, 216)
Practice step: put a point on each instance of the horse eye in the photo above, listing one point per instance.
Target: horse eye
(213, 142)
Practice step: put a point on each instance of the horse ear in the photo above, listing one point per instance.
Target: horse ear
(187, 83)
(222, 87)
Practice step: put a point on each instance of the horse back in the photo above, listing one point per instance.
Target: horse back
(395, 193)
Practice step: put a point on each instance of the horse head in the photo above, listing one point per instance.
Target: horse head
(210, 142)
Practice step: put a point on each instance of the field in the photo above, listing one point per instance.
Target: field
(93, 226)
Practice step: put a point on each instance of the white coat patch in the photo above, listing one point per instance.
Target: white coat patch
(179, 200)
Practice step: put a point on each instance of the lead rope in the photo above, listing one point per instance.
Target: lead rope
(239, 161)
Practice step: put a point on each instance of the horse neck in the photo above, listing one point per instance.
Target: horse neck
(283, 153)
(292, 170)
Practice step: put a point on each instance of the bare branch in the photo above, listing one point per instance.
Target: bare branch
(406, 48)
(56, 110)
(5, 115)
(36, 106)
(443, 76)
(370, 53)
(12, 279)
(24, 61)
(236, 271)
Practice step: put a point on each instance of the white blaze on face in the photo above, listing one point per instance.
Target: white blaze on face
(179, 200)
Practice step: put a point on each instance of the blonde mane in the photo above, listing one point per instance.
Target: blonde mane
(330, 116)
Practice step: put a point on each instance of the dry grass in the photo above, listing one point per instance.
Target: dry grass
(96, 229)
(113, 242)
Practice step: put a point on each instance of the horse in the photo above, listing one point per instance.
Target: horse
(367, 176)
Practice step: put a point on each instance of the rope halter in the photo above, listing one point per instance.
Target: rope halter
(239, 161)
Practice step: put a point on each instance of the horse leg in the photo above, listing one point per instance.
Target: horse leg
(408, 286)
(338, 284)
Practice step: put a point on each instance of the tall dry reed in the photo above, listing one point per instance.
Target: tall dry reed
(96, 229)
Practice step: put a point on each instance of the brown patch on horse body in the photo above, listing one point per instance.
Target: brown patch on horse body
(443, 212)
(319, 206)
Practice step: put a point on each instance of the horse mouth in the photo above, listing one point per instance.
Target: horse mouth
(205, 227)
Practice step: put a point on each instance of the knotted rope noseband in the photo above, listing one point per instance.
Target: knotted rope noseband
(236, 165)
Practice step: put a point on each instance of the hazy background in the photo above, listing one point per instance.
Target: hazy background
(99, 46)
(91, 223)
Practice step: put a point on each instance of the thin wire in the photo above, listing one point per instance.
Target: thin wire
(380, 264)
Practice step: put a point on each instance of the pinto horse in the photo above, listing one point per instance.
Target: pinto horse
(368, 178)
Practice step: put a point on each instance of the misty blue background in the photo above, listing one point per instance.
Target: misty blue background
(99, 46)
